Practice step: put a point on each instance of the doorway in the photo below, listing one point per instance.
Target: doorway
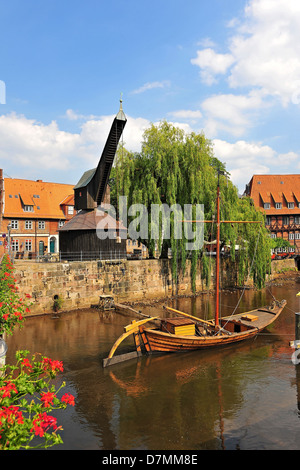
(41, 248)
(52, 245)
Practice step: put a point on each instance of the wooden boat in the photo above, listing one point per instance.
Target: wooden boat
(168, 338)
(188, 333)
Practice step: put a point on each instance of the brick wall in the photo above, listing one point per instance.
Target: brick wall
(81, 283)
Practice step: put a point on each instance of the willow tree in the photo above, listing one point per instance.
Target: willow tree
(175, 168)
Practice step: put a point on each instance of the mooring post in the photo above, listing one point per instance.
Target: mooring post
(296, 344)
(297, 326)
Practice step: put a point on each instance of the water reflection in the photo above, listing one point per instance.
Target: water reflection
(242, 396)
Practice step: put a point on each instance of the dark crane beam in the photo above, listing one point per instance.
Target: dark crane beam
(90, 189)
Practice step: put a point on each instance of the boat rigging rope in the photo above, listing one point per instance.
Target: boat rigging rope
(210, 263)
(243, 291)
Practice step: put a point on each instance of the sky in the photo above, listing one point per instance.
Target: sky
(228, 68)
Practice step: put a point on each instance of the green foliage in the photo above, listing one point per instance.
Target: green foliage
(280, 243)
(176, 168)
(57, 303)
(12, 307)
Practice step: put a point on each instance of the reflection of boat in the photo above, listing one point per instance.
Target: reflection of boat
(189, 333)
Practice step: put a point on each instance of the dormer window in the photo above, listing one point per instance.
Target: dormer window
(267, 205)
(28, 208)
(291, 205)
(278, 205)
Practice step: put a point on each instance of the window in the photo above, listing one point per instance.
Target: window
(273, 235)
(268, 220)
(41, 224)
(267, 205)
(15, 245)
(28, 245)
(277, 205)
(297, 220)
(297, 236)
(28, 208)
(70, 210)
(14, 224)
(60, 223)
(285, 220)
(28, 224)
(291, 236)
(291, 205)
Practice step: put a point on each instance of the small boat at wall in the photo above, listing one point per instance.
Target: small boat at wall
(184, 332)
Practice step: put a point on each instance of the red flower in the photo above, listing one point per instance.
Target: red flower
(68, 398)
(42, 423)
(52, 364)
(47, 398)
(9, 413)
(7, 389)
(18, 314)
(26, 363)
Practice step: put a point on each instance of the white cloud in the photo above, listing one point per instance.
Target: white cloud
(212, 64)
(231, 113)
(150, 86)
(72, 115)
(263, 50)
(186, 114)
(25, 142)
(245, 159)
(133, 133)
(27, 145)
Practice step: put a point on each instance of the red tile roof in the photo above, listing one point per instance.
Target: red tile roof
(276, 189)
(44, 197)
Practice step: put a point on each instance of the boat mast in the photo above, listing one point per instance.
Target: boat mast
(217, 312)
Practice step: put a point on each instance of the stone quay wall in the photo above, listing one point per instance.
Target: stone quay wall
(79, 284)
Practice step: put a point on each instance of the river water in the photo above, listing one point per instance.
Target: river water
(240, 397)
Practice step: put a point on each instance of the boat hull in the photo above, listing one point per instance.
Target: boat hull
(163, 342)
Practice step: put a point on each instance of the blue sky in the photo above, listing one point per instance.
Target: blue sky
(228, 68)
